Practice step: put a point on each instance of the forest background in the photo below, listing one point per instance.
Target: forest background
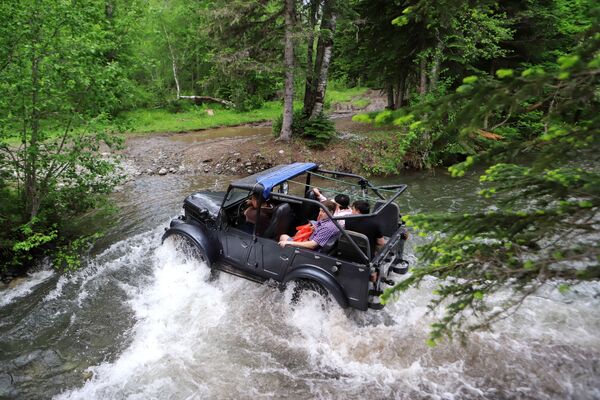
(511, 84)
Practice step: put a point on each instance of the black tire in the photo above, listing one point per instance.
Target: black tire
(307, 287)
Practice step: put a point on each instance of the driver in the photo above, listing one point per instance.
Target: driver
(253, 217)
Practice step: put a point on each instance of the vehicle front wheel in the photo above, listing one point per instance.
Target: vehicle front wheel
(189, 251)
(187, 248)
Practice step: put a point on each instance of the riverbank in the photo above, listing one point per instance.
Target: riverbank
(248, 148)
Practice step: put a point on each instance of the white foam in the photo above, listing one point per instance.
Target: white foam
(25, 287)
(172, 314)
(57, 291)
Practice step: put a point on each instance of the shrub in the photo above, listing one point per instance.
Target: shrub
(317, 132)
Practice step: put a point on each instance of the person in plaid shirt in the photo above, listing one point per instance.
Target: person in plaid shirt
(324, 230)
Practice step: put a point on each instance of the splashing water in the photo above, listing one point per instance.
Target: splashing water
(197, 337)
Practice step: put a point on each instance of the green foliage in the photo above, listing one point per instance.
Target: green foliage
(543, 227)
(63, 77)
(67, 257)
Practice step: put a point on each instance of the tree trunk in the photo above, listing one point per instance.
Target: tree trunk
(32, 195)
(326, 43)
(173, 63)
(423, 73)
(435, 67)
(31, 192)
(288, 97)
(308, 89)
(389, 89)
(399, 95)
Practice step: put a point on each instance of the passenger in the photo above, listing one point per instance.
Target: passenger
(251, 213)
(342, 200)
(324, 230)
(367, 226)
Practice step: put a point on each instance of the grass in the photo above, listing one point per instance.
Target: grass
(341, 95)
(361, 103)
(194, 117)
(159, 120)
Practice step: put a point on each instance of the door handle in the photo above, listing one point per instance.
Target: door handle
(244, 245)
(284, 258)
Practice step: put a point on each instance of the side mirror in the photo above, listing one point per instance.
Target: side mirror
(203, 213)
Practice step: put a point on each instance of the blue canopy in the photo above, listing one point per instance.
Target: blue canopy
(281, 174)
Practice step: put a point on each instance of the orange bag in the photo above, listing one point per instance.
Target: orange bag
(304, 232)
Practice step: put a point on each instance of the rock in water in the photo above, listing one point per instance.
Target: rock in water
(87, 375)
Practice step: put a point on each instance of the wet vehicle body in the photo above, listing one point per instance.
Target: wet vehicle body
(346, 268)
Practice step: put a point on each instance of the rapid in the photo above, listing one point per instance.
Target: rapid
(142, 321)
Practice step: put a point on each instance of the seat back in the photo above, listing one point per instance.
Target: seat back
(346, 251)
(280, 221)
(388, 218)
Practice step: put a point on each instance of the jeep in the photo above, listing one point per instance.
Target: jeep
(346, 269)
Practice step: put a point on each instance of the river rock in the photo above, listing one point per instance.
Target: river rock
(281, 152)
(87, 375)
(6, 388)
(149, 171)
(162, 171)
(172, 170)
(16, 282)
(249, 171)
(248, 164)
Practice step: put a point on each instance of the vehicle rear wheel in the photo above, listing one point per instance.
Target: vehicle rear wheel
(308, 288)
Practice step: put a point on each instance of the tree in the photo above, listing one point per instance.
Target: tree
(544, 226)
(318, 71)
(61, 80)
(246, 50)
(288, 97)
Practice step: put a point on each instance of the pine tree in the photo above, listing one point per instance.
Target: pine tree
(545, 224)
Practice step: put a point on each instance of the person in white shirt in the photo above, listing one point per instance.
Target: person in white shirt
(343, 202)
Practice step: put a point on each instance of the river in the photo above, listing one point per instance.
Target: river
(140, 321)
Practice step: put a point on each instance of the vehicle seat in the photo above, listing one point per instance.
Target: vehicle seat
(309, 211)
(347, 252)
(280, 221)
(388, 218)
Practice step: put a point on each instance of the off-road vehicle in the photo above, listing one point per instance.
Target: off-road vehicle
(346, 269)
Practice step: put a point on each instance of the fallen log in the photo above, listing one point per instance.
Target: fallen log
(202, 99)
